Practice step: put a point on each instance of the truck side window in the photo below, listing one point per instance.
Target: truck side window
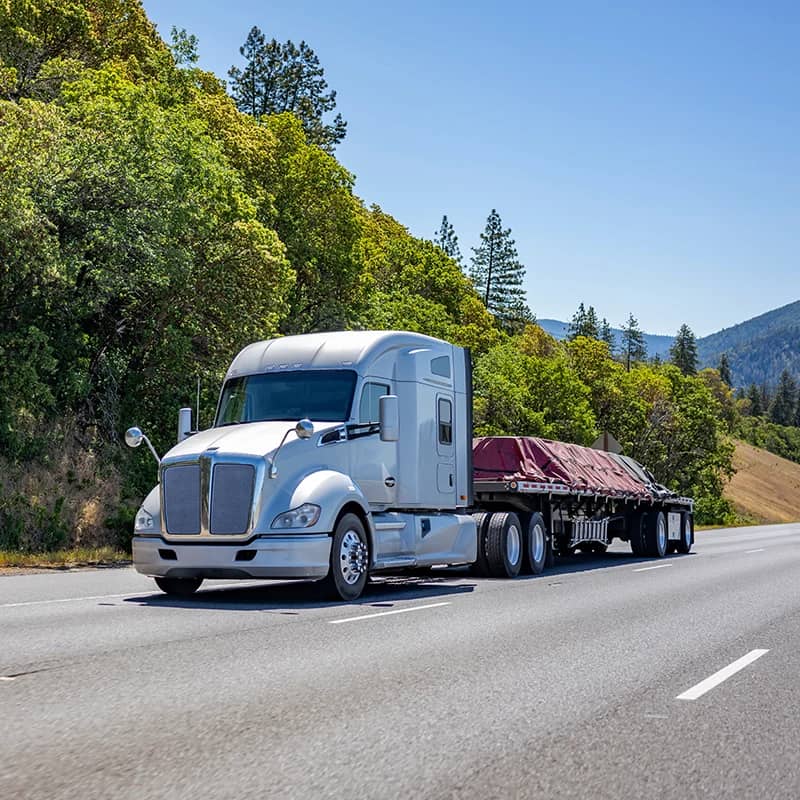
(369, 408)
(445, 421)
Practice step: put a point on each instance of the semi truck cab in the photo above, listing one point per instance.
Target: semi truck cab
(332, 455)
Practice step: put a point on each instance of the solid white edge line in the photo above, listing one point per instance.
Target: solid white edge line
(6, 678)
(145, 592)
(386, 613)
(759, 550)
(718, 677)
(657, 566)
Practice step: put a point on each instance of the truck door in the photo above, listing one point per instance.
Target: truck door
(445, 449)
(373, 463)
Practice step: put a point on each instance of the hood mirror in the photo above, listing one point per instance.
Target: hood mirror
(304, 429)
(134, 437)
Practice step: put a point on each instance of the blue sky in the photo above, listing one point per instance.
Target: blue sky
(646, 155)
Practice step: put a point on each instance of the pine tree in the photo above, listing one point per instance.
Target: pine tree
(497, 275)
(584, 323)
(683, 353)
(633, 345)
(754, 396)
(446, 239)
(725, 369)
(782, 409)
(286, 77)
(607, 335)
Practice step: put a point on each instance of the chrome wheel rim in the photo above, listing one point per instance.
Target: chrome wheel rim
(352, 557)
(662, 534)
(538, 543)
(513, 545)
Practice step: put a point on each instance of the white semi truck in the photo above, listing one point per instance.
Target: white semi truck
(334, 456)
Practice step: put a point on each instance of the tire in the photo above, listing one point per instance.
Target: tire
(481, 565)
(534, 546)
(684, 546)
(504, 545)
(179, 587)
(636, 533)
(655, 535)
(349, 561)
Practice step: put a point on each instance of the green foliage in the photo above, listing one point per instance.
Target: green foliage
(779, 439)
(634, 348)
(725, 369)
(784, 403)
(584, 323)
(683, 353)
(497, 275)
(284, 77)
(446, 239)
(528, 395)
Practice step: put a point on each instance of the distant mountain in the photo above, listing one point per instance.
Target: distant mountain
(758, 349)
(656, 344)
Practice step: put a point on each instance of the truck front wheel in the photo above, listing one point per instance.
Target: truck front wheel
(349, 562)
(179, 587)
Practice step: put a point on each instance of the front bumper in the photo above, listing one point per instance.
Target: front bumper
(296, 556)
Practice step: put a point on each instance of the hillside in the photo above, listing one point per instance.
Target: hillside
(758, 349)
(656, 343)
(765, 487)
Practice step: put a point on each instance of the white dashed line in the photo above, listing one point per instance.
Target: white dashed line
(386, 613)
(718, 677)
(760, 550)
(657, 566)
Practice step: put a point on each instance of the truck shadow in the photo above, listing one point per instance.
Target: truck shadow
(292, 597)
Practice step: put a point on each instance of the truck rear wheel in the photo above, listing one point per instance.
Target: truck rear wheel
(481, 565)
(349, 562)
(534, 546)
(687, 533)
(504, 545)
(636, 524)
(179, 587)
(655, 534)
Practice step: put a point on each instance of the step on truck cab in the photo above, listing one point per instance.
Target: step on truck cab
(334, 456)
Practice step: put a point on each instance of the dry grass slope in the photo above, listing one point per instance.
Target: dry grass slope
(765, 487)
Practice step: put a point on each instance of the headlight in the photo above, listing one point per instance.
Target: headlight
(304, 516)
(145, 523)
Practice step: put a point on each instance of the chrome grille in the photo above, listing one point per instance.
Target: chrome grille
(231, 498)
(182, 499)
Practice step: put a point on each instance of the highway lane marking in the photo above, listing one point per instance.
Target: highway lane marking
(657, 566)
(718, 677)
(7, 677)
(386, 613)
(760, 550)
(142, 593)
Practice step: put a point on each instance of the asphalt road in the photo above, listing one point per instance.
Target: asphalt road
(570, 684)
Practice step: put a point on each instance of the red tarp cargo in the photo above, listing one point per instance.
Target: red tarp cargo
(526, 458)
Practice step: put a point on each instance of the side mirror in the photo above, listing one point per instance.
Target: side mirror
(184, 423)
(389, 416)
(304, 429)
(134, 437)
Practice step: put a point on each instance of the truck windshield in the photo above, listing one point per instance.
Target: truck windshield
(324, 395)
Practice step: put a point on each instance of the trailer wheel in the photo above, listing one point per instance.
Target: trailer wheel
(655, 535)
(687, 533)
(349, 563)
(636, 524)
(504, 545)
(534, 546)
(481, 565)
(179, 587)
